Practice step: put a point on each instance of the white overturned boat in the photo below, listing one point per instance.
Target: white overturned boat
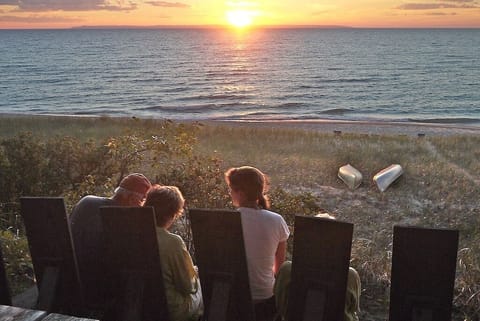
(350, 176)
(387, 176)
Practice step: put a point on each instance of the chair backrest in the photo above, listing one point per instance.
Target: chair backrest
(423, 274)
(53, 258)
(220, 256)
(20, 314)
(5, 297)
(132, 263)
(62, 317)
(320, 263)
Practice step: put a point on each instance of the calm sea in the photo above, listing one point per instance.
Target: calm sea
(349, 74)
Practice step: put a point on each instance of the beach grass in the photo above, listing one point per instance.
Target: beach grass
(439, 187)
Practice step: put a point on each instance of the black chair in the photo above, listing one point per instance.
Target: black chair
(5, 297)
(134, 276)
(423, 274)
(320, 263)
(19, 314)
(53, 256)
(62, 317)
(220, 256)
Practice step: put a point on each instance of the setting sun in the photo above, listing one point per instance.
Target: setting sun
(239, 18)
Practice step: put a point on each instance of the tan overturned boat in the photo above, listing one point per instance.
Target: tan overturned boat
(387, 176)
(350, 176)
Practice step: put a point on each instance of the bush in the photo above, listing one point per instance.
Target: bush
(31, 165)
(18, 264)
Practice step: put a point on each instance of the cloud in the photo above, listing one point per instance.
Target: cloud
(69, 5)
(439, 14)
(167, 4)
(241, 4)
(320, 13)
(430, 6)
(38, 19)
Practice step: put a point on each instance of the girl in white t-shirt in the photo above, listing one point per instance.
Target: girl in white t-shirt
(265, 233)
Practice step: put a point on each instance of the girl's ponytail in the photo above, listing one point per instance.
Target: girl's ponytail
(263, 201)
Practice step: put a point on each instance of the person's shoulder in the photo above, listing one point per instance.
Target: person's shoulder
(272, 214)
(277, 220)
(169, 237)
(176, 238)
(95, 199)
(92, 201)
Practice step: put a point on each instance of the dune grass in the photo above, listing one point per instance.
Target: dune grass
(439, 188)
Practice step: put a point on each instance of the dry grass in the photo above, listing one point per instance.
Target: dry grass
(439, 188)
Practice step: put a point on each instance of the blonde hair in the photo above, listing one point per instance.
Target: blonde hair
(167, 201)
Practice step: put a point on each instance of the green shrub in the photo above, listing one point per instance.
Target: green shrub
(439, 188)
(18, 264)
(31, 165)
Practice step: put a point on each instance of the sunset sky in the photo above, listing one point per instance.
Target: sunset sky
(353, 13)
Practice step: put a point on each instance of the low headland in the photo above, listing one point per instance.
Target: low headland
(439, 188)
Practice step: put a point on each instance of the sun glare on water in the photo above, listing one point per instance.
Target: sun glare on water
(239, 18)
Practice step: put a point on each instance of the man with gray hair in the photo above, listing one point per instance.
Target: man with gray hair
(86, 228)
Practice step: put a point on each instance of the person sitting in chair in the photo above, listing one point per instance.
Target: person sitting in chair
(265, 234)
(352, 298)
(182, 286)
(87, 230)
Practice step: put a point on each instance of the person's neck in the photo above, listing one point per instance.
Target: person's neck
(249, 204)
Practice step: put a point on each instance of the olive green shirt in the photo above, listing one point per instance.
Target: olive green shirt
(352, 299)
(182, 287)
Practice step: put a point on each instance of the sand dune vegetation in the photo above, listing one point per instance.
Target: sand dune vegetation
(71, 157)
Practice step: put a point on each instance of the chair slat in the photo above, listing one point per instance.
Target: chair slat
(53, 256)
(222, 265)
(5, 297)
(320, 263)
(132, 261)
(423, 273)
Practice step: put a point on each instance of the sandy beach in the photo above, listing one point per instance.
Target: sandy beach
(320, 125)
(363, 127)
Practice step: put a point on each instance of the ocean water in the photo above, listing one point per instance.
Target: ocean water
(270, 74)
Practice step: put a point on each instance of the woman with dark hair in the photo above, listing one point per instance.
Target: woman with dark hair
(265, 233)
(182, 286)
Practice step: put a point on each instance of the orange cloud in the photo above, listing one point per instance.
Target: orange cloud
(430, 6)
(68, 5)
(38, 19)
(440, 14)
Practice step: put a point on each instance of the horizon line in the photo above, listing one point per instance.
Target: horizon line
(126, 27)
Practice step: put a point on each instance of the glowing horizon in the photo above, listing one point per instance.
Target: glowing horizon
(36, 14)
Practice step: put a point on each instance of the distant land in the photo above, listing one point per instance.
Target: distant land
(213, 27)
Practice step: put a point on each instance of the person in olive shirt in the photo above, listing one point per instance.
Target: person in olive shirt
(182, 286)
(352, 296)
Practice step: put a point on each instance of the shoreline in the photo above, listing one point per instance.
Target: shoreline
(370, 127)
(363, 127)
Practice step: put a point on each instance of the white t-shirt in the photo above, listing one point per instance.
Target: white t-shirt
(262, 232)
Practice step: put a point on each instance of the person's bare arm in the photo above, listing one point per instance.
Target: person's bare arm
(279, 256)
